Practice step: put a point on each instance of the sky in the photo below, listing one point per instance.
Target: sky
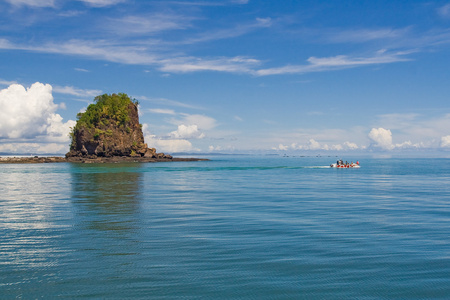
(231, 76)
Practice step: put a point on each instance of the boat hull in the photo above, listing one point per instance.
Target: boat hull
(347, 166)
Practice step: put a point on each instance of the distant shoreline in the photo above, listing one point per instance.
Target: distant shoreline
(115, 159)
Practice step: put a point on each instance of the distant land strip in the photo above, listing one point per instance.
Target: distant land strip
(114, 159)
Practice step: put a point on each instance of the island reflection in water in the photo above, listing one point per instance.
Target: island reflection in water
(106, 199)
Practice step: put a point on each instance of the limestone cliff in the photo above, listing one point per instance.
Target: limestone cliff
(110, 127)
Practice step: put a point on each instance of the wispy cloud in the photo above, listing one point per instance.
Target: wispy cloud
(444, 11)
(194, 64)
(169, 57)
(148, 24)
(81, 70)
(70, 90)
(7, 82)
(101, 3)
(71, 13)
(316, 64)
(239, 64)
(167, 102)
(162, 111)
(99, 49)
(32, 3)
(205, 3)
(236, 31)
(362, 35)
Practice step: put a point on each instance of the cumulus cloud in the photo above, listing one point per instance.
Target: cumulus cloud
(445, 141)
(187, 132)
(25, 111)
(30, 113)
(34, 148)
(381, 138)
(349, 145)
(203, 122)
(312, 144)
(188, 127)
(57, 130)
(166, 145)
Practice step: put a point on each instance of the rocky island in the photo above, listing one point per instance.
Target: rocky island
(108, 131)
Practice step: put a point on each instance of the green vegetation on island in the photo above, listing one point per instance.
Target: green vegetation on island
(107, 108)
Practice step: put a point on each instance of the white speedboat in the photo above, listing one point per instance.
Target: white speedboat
(345, 165)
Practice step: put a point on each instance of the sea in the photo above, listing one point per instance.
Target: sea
(233, 227)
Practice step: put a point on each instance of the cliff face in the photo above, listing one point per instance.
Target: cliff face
(110, 128)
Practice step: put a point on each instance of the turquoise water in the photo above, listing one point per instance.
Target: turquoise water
(230, 228)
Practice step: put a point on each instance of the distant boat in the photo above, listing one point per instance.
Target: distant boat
(343, 165)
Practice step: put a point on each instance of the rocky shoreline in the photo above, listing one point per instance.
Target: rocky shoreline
(98, 160)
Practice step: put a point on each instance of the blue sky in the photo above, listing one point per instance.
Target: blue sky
(231, 76)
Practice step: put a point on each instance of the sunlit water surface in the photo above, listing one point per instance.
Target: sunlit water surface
(233, 227)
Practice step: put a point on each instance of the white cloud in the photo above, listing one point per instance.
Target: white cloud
(57, 130)
(316, 64)
(82, 70)
(409, 145)
(212, 148)
(349, 145)
(445, 141)
(418, 129)
(25, 112)
(148, 24)
(164, 101)
(203, 122)
(6, 82)
(444, 11)
(240, 1)
(313, 144)
(162, 111)
(139, 55)
(187, 132)
(33, 148)
(228, 33)
(101, 49)
(70, 90)
(33, 3)
(381, 138)
(30, 114)
(101, 3)
(363, 35)
(282, 147)
(176, 141)
(167, 146)
(236, 64)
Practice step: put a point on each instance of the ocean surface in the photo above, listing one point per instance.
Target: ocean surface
(235, 227)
